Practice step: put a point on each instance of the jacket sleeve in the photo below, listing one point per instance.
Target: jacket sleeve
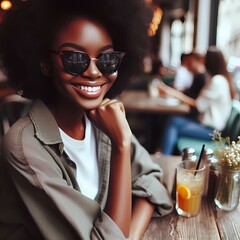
(58, 210)
(104, 228)
(147, 180)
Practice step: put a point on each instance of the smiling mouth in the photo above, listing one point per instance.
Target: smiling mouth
(88, 88)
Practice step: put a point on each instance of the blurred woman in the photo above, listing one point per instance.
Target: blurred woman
(213, 104)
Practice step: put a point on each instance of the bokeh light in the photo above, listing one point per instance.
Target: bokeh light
(157, 16)
(6, 5)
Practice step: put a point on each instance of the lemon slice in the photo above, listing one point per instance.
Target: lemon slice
(184, 191)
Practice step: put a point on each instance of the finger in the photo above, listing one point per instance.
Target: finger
(122, 107)
(104, 101)
(107, 102)
(119, 104)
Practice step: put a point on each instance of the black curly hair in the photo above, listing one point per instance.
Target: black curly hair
(30, 27)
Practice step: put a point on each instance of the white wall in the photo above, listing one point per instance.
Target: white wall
(203, 25)
(165, 44)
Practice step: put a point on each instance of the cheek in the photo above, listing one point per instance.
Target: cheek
(112, 77)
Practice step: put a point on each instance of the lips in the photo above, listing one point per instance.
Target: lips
(89, 91)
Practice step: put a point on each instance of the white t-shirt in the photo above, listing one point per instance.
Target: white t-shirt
(84, 154)
(183, 79)
(214, 103)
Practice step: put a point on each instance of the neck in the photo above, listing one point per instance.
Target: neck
(70, 119)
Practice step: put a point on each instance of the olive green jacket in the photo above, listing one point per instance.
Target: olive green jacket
(40, 197)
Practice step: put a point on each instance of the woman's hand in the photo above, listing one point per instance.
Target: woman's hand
(110, 118)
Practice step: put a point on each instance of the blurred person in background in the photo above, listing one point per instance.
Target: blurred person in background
(190, 76)
(159, 69)
(71, 168)
(197, 68)
(184, 77)
(216, 95)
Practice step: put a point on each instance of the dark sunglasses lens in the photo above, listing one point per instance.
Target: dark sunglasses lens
(108, 63)
(75, 62)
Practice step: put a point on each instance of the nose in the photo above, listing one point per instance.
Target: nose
(92, 71)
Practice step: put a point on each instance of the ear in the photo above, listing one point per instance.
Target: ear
(44, 68)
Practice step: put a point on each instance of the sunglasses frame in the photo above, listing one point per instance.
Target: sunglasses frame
(62, 52)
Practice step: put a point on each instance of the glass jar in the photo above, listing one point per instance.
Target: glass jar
(206, 160)
(213, 179)
(227, 195)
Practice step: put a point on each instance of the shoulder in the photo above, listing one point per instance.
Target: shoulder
(181, 70)
(26, 153)
(18, 137)
(21, 126)
(219, 79)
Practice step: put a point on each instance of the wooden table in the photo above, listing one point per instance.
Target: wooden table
(211, 223)
(141, 102)
(143, 110)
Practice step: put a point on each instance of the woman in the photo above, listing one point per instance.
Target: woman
(213, 104)
(71, 168)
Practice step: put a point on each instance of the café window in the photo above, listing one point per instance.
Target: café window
(228, 37)
(181, 37)
(177, 31)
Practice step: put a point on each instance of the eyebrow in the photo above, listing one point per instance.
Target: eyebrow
(73, 45)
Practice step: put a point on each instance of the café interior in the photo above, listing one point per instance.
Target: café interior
(177, 27)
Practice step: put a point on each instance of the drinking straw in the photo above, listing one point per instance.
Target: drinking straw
(200, 158)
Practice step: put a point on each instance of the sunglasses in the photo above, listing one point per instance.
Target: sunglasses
(77, 62)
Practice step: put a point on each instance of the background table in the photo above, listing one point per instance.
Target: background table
(140, 101)
(147, 115)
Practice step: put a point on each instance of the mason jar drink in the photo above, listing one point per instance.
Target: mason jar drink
(189, 188)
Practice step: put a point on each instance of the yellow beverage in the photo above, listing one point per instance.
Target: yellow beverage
(189, 192)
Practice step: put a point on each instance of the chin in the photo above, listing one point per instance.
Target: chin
(89, 105)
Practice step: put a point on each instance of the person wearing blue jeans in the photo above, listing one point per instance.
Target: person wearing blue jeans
(212, 105)
(178, 126)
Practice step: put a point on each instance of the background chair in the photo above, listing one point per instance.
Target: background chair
(12, 108)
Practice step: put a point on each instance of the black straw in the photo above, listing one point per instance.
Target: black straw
(200, 158)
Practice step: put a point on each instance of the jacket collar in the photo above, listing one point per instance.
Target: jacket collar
(46, 128)
(47, 131)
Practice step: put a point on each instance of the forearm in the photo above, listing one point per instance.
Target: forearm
(119, 203)
(141, 216)
(110, 118)
(181, 96)
(186, 99)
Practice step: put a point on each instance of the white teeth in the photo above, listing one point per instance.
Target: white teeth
(89, 89)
